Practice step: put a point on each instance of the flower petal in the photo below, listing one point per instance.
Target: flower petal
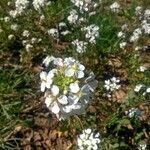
(69, 72)
(63, 99)
(80, 74)
(55, 108)
(55, 90)
(48, 101)
(43, 75)
(74, 87)
(43, 85)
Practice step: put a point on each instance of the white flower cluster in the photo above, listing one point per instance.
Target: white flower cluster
(134, 112)
(136, 35)
(112, 84)
(144, 17)
(88, 140)
(145, 23)
(38, 4)
(73, 17)
(84, 5)
(20, 7)
(67, 89)
(142, 147)
(60, 30)
(141, 69)
(115, 7)
(80, 46)
(81, 7)
(138, 10)
(92, 32)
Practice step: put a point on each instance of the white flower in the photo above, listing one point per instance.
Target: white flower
(13, 13)
(75, 70)
(47, 60)
(138, 10)
(11, 36)
(63, 95)
(73, 17)
(136, 35)
(6, 19)
(112, 84)
(134, 112)
(88, 140)
(141, 69)
(148, 90)
(138, 87)
(53, 32)
(14, 27)
(80, 46)
(92, 32)
(121, 34)
(26, 33)
(146, 26)
(28, 47)
(142, 147)
(122, 45)
(38, 4)
(21, 5)
(147, 14)
(115, 7)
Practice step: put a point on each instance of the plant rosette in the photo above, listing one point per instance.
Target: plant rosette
(67, 86)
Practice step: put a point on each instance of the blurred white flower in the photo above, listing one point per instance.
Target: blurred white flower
(53, 32)
(26, 33)
(147, 14)
(138, 10)
(11, 36)
(122, 45)
(138, 87)
(6, 19)
(145, 26)
(115, 7)
(134, 112)
(142, 147)
(141, 69)
(14, 27)
(148, 90)
(38, 4)
(73, 17)
(13, 13)
(28, 47)
(121, 34)
(136, 35)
